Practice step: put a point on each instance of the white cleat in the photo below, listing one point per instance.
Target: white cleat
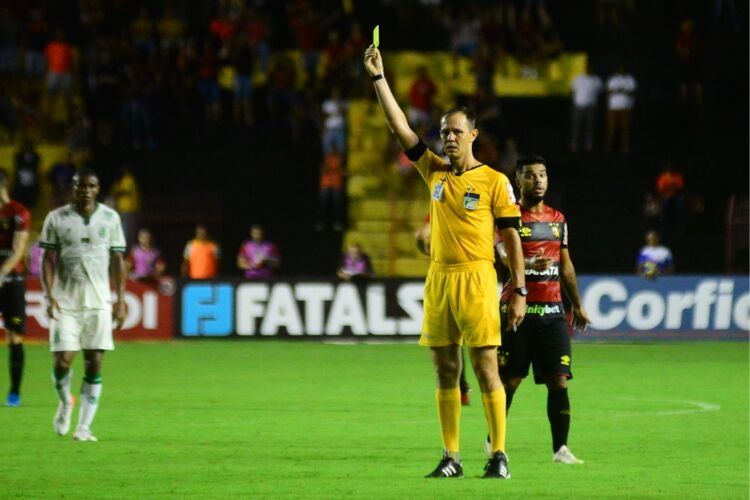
(84, 435)
(565, 456)
(63, 416)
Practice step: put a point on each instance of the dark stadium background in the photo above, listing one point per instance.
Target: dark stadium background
(337, 401)
(229, 176)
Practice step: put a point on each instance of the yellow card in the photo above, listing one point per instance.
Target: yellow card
(376, 36)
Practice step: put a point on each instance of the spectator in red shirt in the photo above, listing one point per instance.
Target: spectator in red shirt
(669, 186)
(669, 183)
(222, 28)
(59, 57)
(421, 99)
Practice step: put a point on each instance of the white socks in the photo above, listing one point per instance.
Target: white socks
(62, 387)
(90, 394)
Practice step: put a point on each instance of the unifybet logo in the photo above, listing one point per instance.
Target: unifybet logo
(543, 309)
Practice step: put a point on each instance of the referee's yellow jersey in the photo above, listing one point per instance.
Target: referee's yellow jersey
(463, 208)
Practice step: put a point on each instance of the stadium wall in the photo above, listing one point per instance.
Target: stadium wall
(149, 315)
(620, 307)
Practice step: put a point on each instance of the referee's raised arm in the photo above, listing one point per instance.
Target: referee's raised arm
(394, 115)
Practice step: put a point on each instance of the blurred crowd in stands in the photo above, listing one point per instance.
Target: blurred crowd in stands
(140, 75)
(135, 74)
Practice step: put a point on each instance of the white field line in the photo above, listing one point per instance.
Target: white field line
(693, 407)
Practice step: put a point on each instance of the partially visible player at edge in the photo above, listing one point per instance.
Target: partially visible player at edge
(460, 300)
(543, 340)
(83, 243)
(14, 236)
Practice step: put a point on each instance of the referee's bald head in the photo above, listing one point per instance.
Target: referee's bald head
(471, 119)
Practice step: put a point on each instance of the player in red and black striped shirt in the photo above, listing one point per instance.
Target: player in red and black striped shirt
(14, 235)
(543, 339)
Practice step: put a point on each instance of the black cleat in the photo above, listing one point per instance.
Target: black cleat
(497, 467)
(447, 468)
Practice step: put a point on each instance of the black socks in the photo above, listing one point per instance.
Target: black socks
(16, 360)
(558, 412)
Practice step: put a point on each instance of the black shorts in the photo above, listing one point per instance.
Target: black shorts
(543, 343)
(13, 305)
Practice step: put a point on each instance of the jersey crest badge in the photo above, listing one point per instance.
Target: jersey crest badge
(555, 228)
(438, 190)
(471, 199)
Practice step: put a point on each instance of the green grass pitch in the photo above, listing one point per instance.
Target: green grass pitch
(212, 419)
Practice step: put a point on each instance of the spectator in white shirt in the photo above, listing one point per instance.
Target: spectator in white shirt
(621, 91)
(334, 122)
(586, 89)
(654, 259)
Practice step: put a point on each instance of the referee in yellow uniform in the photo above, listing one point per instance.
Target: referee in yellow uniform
(461, 303)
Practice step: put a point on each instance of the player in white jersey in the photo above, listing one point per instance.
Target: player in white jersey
(83, 243)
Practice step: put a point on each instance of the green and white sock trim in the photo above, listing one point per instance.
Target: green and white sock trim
(93, 379)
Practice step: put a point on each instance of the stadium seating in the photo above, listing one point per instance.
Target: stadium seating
(456, 75)
(384, 218)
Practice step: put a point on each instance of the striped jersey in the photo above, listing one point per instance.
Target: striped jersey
(545, 231)
(83, 246)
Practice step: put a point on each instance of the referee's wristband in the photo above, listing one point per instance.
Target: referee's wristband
(377, 77)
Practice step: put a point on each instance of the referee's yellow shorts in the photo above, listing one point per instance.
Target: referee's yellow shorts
(461, 305)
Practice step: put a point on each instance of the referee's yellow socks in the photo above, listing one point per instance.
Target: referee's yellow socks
(449, 411)
(494, 409)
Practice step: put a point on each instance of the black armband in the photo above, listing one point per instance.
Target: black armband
(417, 151)
(505, 222)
